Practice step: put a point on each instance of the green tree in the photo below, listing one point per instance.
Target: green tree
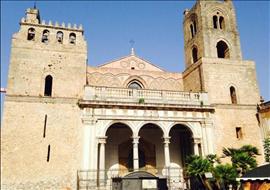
(197, 167)
(266, 147)
(244, 158)
(225, 175)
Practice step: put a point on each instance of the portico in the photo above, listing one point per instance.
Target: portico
(130, 137)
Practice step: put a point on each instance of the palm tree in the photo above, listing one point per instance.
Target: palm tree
(197, 166)
(225, 175)
(243, 159)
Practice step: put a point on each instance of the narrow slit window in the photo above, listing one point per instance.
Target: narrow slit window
(191, 31)
(48, 86)
(221, 23)
(45, 126)
(195, 27)
(215, 21)
(49, 152)
(233, 95)
(239, 134)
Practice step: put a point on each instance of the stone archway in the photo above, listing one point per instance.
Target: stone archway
(118, 146)
(181, 146)
(151, 147)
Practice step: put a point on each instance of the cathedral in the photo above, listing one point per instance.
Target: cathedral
(126, 124)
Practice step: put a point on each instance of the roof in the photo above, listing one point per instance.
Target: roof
(259, 173)
(132, 61)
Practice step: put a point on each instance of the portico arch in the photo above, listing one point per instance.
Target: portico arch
(151, 148)
(118, 145)
(108, 125)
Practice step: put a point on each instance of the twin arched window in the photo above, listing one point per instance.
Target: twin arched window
(48, 85)
(218, 22)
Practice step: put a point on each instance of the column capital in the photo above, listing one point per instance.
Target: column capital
(102, 140)
(136, 139)
(166, 140)
(197, 140)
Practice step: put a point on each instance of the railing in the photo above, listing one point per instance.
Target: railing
(145, 96)
(91, 179)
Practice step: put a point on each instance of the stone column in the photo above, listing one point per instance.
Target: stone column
(102, 142)
(196, 147)
(135, 153)
(167, 151)
(88, 142)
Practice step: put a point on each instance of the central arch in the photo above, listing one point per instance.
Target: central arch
(151, 148)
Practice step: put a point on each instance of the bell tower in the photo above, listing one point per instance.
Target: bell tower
(210, 30)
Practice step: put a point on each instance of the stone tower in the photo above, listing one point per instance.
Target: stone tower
(46, 78)
(214, 65)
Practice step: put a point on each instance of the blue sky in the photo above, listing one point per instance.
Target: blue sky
(155, 26)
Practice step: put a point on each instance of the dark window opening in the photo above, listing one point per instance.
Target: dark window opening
(195, 54)
(215, 21)
(135, 85)
(49, 152)
(45, 36)
(59, 37)
(221, 23)
(195, 27)
(132, 68)
(223, 50)
(31, 34)
(233, 95)
(239, 134)
(45, 125)
(191, 31)
(72, 38)
(48, 86)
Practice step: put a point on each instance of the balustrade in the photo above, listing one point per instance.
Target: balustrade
(149, 96)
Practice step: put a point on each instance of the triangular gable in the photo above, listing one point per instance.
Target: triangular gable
(131, 62)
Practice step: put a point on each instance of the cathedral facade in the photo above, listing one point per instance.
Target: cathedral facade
(68, 125)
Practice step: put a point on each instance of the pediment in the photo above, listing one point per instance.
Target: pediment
(131, 62)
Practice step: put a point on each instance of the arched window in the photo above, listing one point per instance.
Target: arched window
(221, 23)
(45, 36)
(233, 95)
(191, 31)
(215, 21)
(48, 85)
(59, 37)
(223, 50)
(135, 85)
(72, 38)
(194, 54)
(31, 34)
